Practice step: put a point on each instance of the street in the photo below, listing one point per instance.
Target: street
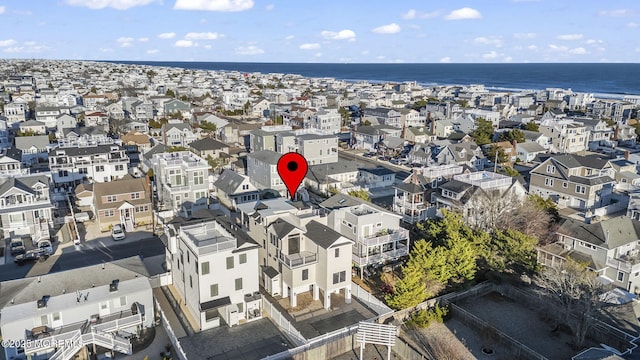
(71, 258)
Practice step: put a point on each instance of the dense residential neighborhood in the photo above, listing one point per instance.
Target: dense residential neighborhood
(142, 205)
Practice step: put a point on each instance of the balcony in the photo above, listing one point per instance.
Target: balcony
(296, 260)
(379, 258)
(385, 238)
(40, 200)
(400, 203)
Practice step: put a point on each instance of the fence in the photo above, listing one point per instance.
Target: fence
(181, 355)
(369, 300)
(161, 280)
(516, 348)
(289, 330)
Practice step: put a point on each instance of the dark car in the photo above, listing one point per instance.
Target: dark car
(31, 256)
(369, 154)
(384, 158)
(17, 247)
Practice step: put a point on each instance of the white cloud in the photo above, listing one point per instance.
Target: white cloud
(202, 36)
(167, 35)
(415, 14)
(2, 9)
(214, 5)
(8, 42)
(616, 13)
(143, 39)
(105, 50)
(364, 52)
(570, 37)
(411, 14)
(524, 35)
(184, 43)
(269, 7)
(319, 54)
(490, 55)
(208, 46)
(115, 4)
(153, 51)
(445, 59)
(392, 28)
(249, 50)
(125, 41)
(633, 25)
(532, 47)
(312, 46)
(30, 43)
(554, 47)
(491, 40)
(340, 35)
(28, 47)
(289, 37)
(507, 59)
(578, 51)
(593, 42)
(463, 14)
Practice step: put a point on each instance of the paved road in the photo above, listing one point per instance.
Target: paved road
(72, 258)
(372, 163)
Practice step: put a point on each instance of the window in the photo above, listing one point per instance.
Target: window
(123, 301)
(337, 252)
(44, 320)
(119, 167)
(205, 268)
(239, 284)
(108, 213)
(56, 316)
(135, 196)
(112, 198)
(245, 187)
(305, 274)
(100, 168)
(213, 290)
(188, 257)
(620, 276)
(104, 306)
(548, 182)
(339, 277)
(198, 178)
(581, 189)
(242, 258)
(190, 281)
(565, 184)
(240, 307)
(551, 169)
(230, 262)
(83, 170)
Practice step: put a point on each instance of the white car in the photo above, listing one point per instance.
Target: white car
(117, 232)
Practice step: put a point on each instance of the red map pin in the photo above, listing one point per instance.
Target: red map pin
(292, 168)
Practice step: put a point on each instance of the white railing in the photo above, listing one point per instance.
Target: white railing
(371, 301)
(289, 330)
(396, 235)
(117, 324)
(67, 352)
(161, 280)
(619, 265)
(374, 259)
(295, 260)
(109, 341)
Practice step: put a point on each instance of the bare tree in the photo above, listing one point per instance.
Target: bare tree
(576, 294)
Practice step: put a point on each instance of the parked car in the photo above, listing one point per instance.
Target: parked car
(117, 232)
(383, 158)
(369, 154)
(46, 246)
(17, 247)
(394, 161)
(30, 256)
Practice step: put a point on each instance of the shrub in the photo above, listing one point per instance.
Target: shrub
(422, 318)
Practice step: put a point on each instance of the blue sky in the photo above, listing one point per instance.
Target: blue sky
(352, 31)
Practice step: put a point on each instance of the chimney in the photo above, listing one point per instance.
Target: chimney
(113, 287)
(606, 239)
(626, 154)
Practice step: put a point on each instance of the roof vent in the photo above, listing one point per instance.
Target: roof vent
(114, 285)
(42, 303)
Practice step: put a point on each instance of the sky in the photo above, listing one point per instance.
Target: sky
(329, 31)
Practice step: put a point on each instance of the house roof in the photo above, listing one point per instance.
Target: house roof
(30, 289)
(26, 142)
(24, 183)
(531, 147)
(157, 149)
(266, 156)
(229, 182)
(282, 227)
(207, 144)
(321, 234)
(610, 233)
(322, 173)
(125, 185)
(81, 151)
(379, 171)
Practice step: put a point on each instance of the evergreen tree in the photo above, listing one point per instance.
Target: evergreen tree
(483, 132)
(410, 290)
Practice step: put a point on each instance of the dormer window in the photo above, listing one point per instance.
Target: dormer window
(551, 169)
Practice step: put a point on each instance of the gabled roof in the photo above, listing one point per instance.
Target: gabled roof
(229, 182)
(610, 233)
(323, 235)
(282, 227)
(26, 142)
(208, 144)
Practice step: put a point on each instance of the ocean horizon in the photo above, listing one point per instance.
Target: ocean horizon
(606, 79)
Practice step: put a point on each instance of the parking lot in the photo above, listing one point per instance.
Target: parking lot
(91, 236)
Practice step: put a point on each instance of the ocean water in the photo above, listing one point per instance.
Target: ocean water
(599, 78)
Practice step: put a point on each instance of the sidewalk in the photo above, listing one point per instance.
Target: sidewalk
(152, 351)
